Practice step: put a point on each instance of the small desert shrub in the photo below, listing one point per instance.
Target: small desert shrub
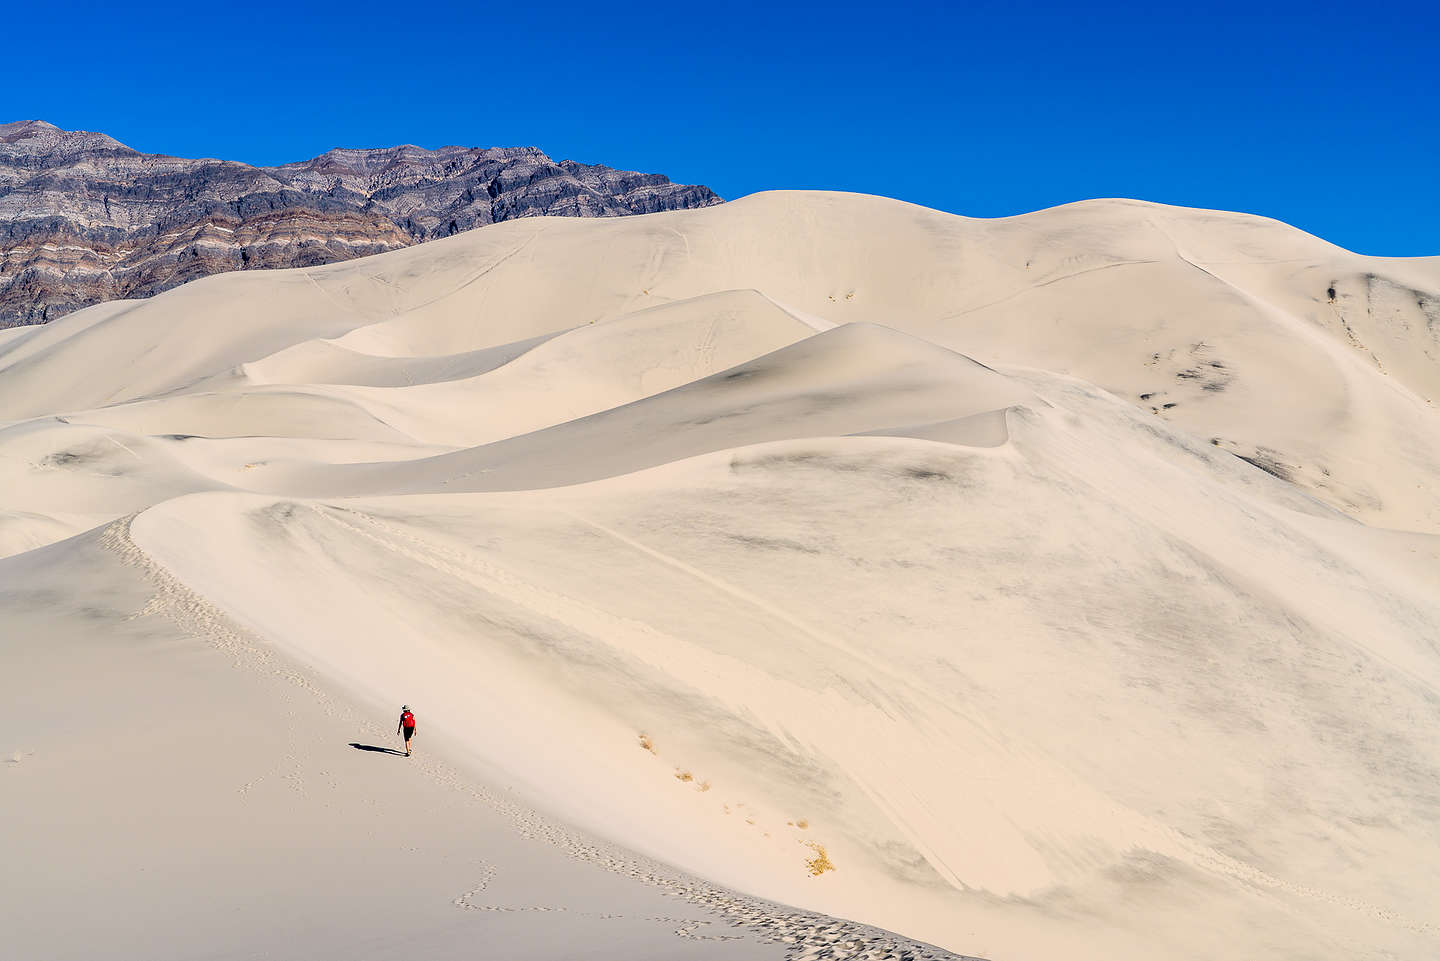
(646, 743)
(820, 863)
(684, 776)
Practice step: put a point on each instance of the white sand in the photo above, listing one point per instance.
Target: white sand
(1039, 663)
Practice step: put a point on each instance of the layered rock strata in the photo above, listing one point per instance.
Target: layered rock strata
(85, 219)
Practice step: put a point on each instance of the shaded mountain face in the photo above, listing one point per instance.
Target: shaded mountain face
(85, 219)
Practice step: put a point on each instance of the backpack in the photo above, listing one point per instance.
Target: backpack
(407, 719)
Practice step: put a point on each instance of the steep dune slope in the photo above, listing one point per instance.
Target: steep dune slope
(1024, 714)
(1060, 585)
(194, 794)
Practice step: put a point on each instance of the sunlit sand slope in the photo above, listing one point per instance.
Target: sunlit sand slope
(1056, 586)
(1099, 667)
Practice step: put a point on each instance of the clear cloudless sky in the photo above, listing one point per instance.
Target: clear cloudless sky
(1325, 115)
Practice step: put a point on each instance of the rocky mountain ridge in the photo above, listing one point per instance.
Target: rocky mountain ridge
(85, 219)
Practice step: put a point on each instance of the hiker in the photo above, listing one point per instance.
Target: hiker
(407, 725)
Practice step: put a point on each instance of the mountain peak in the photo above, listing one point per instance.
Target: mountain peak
(39, 137)
(28, 127)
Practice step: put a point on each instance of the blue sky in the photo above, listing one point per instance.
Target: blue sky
(1321, 114)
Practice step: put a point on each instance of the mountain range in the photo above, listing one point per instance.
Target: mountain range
(85, 219)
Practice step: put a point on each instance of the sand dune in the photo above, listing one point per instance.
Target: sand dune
(1060, 585)
(1203, 317)
(326, 362)
(62, 479)
(264, 412)
(851, 379)
(590, 369)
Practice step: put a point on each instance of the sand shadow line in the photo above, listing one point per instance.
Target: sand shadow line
(378, 750)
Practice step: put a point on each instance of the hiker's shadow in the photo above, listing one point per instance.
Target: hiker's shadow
(377, 750)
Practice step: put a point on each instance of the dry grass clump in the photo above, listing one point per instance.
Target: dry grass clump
(801, 823)
(820, 863)
(646, 743)
(702, 785)
(684, 776)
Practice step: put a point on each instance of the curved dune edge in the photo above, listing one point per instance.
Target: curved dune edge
(605, 766)
(803, 931)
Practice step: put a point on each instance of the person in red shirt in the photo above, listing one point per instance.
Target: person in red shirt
(406, 725)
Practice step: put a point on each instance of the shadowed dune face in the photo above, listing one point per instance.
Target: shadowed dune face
(1059, 580)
